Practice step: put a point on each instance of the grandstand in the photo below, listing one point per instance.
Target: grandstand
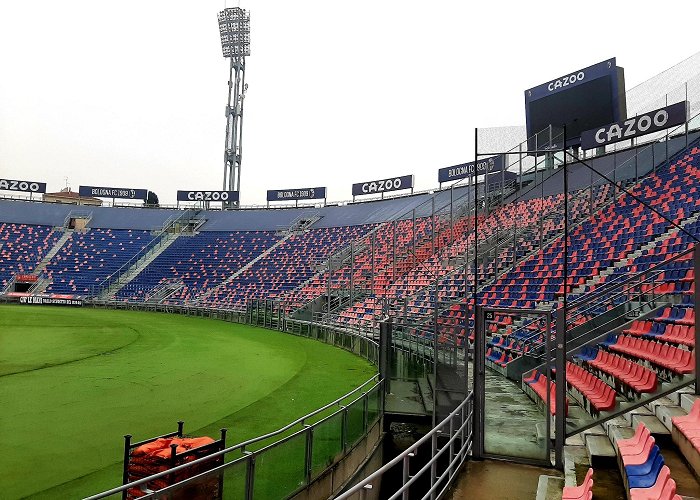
(545, 318)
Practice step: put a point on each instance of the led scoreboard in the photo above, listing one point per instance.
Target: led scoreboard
(582, 100)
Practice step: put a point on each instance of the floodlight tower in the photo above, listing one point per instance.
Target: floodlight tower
(234, 28)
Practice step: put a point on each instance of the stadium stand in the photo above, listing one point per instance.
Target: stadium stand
(90, 257)
(23, 246)
(407, 265)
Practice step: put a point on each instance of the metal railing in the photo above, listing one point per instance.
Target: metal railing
(281, 463)
(449, 442)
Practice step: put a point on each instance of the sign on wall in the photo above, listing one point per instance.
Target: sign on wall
(24, 186)
(49, 300)
(313, 193)
(462, 171)
(224, 196)
(636, 126)
(113, 192)
(383, 185)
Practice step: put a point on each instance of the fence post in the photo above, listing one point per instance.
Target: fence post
(309, 452)
(696, 270)
(344, 429)
(560, 381)
(385, 332)
(250, 475)
(127, 455)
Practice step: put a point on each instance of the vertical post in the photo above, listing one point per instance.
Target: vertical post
(374, 240)
(328, 286)
(696, 296)
(405, 475)
(413, 236)
(666, 142)
(476, 224)
(520, 165)
(590, 196)
(127, 455)
(452, 222)
(560, 361)
(180, 427)
(352, 267)
(432, 222)
(393, 252)
(436, 350)
(479, 383)
(560, 400)
(433, 466)
(309, 453)
(250, 475)
(385, 331)
(687, 117)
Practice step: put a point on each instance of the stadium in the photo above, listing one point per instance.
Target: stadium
(525, 328)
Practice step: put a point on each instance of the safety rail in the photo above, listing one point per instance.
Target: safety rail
(160, 239)
(346, 425)
(304, 449)
(452, 436)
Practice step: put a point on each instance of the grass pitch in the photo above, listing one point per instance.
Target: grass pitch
(74, 381)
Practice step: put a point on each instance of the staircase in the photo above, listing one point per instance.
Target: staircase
(122, 277)
(212, 291)
(164, 290)
(594, 280)
(596, 448)
(67, 234)
(179, 224)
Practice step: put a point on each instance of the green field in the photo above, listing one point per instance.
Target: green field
(74, 381)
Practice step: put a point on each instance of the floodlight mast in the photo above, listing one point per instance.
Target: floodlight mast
(234, 28)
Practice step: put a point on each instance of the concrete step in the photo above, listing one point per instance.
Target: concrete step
(687, 400)
(573, 456)
(549, 488)
(666, 413)
(638, 411)
(620, 432)
(655, 426)
(676, 396)
(600, 451)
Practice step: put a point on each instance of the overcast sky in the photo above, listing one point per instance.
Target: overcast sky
(132, 93)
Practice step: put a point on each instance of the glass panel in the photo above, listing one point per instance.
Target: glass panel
(516, 417)
(280, 470)
(373, 403)
(327, 443)
(234, 480)
(356, 425)
(228, 483)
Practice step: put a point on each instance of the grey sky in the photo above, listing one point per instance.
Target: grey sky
(132, 93)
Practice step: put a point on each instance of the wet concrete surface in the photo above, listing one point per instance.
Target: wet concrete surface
(498, 480)
(511, 420)
(686, 483)
(607, 483)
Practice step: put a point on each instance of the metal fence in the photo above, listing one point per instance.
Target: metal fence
(449, 444)
(281, 463)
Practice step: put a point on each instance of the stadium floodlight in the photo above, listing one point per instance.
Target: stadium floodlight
(234, 28)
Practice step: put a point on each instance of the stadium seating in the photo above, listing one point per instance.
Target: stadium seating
(22, 247)
(200, 262)
(89, 257)
(584, 491)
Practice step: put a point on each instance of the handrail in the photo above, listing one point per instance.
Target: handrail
(410, 451)
(152, 245)
(617, 283)
(236, 447)
(365, 388)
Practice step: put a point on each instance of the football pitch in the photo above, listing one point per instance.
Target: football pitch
(73, 381)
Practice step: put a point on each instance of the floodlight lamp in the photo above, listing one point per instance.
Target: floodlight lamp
(234, 28)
